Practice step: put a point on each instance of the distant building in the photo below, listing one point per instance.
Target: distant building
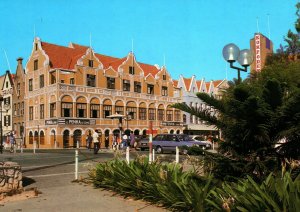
(261, 47)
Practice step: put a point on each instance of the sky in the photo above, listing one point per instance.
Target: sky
(187, 36)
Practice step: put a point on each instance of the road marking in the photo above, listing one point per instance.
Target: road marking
(58, 174)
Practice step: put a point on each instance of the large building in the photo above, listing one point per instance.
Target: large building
(70, 91)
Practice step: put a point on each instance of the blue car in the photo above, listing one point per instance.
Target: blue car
(163, 143)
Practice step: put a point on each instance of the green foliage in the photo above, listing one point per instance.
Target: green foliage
(163, 184)
(273, 194)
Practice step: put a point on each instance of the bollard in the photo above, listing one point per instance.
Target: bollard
(127, 154)
(34, 146)
(76, 161)
(153, 154)
(213, 145)
(177, 155)
(150, 148)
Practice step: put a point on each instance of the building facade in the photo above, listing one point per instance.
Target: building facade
(70, 91)
(18, 100)
(261, 46)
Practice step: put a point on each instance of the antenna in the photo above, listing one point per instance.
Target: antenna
(269, 26)
(257, 25)
(7, 60)
(90, 40)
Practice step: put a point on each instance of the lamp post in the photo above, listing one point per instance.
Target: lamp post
(1, 130)
(232, 53)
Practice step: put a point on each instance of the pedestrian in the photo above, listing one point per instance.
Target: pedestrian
(96, 142)
(132, 139)
(106, 141)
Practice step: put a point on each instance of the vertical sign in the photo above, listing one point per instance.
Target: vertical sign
(257, 53)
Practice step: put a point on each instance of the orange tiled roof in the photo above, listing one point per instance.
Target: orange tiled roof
(187, 82)
(66, 58)
(207, 84)
(217, 82)
(175, 83)
(198, 83)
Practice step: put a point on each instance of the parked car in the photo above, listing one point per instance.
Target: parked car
(167, 142)
(203, 143)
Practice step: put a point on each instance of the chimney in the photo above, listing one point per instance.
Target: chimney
(19, 59)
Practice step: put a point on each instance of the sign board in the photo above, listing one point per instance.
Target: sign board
(257, 53)
(172, 123)
(51, 122)
(70, 121)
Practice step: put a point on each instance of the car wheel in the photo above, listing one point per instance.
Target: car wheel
(159, 150)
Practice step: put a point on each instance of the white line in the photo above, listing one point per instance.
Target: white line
(51, 175)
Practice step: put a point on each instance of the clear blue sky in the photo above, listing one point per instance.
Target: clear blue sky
(190, 33)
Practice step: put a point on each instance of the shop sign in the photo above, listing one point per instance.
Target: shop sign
(51, 122)
(172, 123)
(257, 53)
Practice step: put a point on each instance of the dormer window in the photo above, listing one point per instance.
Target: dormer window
(131, 70)
(164, 77)
(35, 65)
(164, 91)
(91, 80)
(110, 83)
(36, 47)
(150, 89)
(91, 63)
(126, 85)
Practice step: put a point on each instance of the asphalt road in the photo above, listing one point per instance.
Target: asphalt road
(52, 173)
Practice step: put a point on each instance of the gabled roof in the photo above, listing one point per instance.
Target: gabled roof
(63, 57)
(187, 83)
(207, 84)
(217, 82)
(175, 83)
(66, 58)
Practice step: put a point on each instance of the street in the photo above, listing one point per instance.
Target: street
(52, 173)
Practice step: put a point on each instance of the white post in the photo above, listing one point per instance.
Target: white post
(34, 146)
(21, 145)
(55, 144)
(213, 143)
(177, 155)
(150, 148)
(153, 154)
(127, 154)
(76, 161)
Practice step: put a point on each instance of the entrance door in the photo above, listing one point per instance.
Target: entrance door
(77, 137)
(66, 137)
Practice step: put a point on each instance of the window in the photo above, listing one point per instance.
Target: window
(131, 70)
(191, 119)
(42, 81)
(22, 108)
(160, 114)
(164, 77)
(31, 113)
(184, 118)
(164, 91)
(137, 87)
(151, 114)
(150, 89)
(62, 81)
(7, 120)
(95, 111)
(52, 110)
(30, 84)
(91, 80)
(81, 110)
(6, 101)
(6, 84)
(36, 46)
(18, 109)
(42, 111)
(169, 115)
(15, 109)
(18, 89)
(52, 78)
(142, 113)
(35, 65)
(107, 110)
(132, 112)
(91, 63)
(177, 115)
(119, 109)
(72, 81)
(66, 109)
(126, 85)
(110, 83)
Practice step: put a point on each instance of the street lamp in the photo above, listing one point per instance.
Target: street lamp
(1, 130)
(232, 53)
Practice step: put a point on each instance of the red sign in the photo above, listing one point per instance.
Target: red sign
(257, 53)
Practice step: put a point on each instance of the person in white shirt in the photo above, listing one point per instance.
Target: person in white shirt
(96, 142)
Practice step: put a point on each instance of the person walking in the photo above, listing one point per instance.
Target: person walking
(96, 142)
(132, 139)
